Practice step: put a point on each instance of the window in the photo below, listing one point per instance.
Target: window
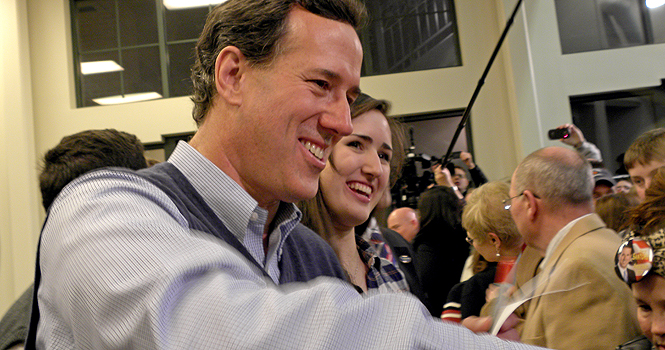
(589, 25)
(148, 48)
(151, 45)
(409, 35)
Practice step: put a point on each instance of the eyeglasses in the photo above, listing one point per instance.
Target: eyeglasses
(469, 240)
(636, 256)
(507, 202)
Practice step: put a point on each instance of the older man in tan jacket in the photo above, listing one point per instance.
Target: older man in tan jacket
(579, 302)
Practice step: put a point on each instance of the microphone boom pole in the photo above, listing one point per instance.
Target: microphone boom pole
(465, 116)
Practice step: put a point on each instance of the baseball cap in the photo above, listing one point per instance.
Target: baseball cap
(602, 175)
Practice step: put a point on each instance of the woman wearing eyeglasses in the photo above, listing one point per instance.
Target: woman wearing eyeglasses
(645, 267)
(492, 232)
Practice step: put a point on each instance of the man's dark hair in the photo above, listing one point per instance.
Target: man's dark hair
(459, 167)
(257, 28)
(85, 151)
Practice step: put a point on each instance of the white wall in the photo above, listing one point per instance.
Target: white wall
(544, 78)
(19, 204)
(56, 114)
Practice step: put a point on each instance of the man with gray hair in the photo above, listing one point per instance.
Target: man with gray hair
(579, 303)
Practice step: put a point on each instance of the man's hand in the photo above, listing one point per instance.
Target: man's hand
(442, 178)
(575, 136)
(483, 325)
(467, 159)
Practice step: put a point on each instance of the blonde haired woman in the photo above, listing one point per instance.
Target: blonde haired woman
(492, 232)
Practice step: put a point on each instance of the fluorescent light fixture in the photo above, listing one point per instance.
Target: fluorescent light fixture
(652, 4)
(114, 100)
(96, 67)
(183, 4)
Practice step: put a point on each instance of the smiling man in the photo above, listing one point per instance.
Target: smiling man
(273, 82)
(200, 251)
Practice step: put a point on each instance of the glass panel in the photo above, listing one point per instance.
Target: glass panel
(95, 24)
(102, 84)
(142, 70)
(138, 22)
(409, 35)
(589, 25)
(181, 56)
(657, 22)
(185, 24)
(405, 35)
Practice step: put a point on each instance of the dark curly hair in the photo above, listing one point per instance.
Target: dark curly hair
(87, 150)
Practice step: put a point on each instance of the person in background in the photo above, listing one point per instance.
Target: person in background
(491, 231)
(460, 177)
(643, 158)
(576, 139)
(623, 184)
(443, 178)
(405, 222)
(604, 183)
(613, 209)
(576, 305)
(72, 157)
(353, 182)
(440, 245)
(648, 286)
(455, 176)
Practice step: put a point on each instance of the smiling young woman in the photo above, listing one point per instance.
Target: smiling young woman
(357, 173)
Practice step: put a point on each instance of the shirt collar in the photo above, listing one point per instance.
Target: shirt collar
(556, 240)
(228, 200)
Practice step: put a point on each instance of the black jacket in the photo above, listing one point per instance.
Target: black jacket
(405, 260)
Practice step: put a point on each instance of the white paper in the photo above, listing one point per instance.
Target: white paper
(506, 305)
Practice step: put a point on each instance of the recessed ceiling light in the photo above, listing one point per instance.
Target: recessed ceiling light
(652, 4)
(96, 67)
(114, 100)
(183, 4)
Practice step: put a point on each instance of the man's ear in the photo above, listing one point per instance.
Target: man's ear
(229, 69)
(533, 205)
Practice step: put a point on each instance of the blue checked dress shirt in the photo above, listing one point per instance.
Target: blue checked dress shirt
(121, 270)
